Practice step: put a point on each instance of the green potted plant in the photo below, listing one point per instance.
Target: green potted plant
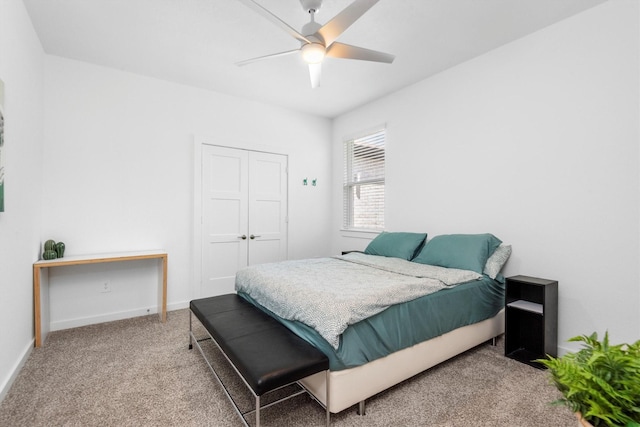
(600, 382)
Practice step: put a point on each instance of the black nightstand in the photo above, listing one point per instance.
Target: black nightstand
(531, 324)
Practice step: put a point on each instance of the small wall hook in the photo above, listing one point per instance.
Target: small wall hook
(304, 181)
(314, 182)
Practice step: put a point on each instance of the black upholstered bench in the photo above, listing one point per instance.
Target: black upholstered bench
(265, 354)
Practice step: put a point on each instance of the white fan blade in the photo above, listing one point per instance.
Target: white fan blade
(260, 58)
(315, 71)
(346, 51)
(343, 20)
(273, 18)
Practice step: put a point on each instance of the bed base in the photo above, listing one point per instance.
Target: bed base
(353, 386)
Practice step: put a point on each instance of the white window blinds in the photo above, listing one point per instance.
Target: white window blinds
(363, 204)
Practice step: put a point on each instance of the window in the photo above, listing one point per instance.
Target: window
(363, 203)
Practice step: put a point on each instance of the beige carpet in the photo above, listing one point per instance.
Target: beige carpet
(139, 372)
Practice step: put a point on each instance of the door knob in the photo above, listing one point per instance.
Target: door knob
(253, 237)
(243, 237)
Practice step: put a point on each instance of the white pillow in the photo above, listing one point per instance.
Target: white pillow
(497, 260)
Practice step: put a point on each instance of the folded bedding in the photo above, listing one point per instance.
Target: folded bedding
(329, 294)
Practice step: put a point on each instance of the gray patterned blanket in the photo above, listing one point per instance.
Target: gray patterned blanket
(330, 294)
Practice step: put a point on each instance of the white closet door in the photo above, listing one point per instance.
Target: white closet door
(244, 214)
(224, 218)
(267, 208)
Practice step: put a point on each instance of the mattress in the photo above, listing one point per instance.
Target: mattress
(404, 325)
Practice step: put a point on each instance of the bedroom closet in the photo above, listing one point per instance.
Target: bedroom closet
(244, 213)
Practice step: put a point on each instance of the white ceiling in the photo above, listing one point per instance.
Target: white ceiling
(197, 42)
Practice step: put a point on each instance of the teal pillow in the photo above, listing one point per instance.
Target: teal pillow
(462, 251)
(399, 245)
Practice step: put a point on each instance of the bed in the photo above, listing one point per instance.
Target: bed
(385, 315)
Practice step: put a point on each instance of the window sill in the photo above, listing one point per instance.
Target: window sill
(360, 234)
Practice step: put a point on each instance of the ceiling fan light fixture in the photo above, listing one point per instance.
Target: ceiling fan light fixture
(313, 53)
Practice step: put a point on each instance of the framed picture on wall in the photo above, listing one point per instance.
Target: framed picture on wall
(1, 146)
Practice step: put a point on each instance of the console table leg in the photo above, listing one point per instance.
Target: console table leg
(162, 292)
(37, 320)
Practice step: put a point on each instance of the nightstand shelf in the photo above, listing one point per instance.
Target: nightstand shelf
(533, 307)
(531, 328)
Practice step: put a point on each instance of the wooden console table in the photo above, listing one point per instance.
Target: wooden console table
(94, 259)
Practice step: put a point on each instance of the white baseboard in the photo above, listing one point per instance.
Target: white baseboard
(177, 305)
(563, 349)
(15, 370)
(109, 317)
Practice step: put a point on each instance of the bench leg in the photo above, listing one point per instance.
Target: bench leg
(190, 330)
(257, 411)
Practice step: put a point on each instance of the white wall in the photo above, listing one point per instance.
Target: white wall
(536, 142)
(119, 176)
(21, 69)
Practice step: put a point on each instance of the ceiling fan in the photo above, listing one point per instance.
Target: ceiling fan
(318, 41)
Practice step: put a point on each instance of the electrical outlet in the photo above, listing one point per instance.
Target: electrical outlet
(106, 286)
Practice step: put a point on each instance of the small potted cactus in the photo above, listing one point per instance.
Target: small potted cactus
(49, 250)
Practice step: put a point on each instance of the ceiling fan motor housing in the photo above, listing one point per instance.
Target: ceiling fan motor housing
(311, 5)
(310, 29)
